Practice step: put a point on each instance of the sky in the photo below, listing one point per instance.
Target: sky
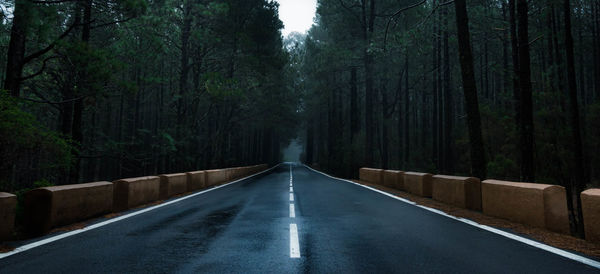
(296, 15)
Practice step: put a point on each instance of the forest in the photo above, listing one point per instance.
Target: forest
(98, 90)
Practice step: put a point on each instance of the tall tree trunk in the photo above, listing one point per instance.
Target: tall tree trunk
(16, 46)
(400, 115)
(581, 177)
(369, 20)
(478, 159)
(448, 101)
(559, 61)
(435, 92)
(82, 86)
(515, 58)
(526, 139)
(354, 120)
(185, 67)
(596, 45)
(406, 113)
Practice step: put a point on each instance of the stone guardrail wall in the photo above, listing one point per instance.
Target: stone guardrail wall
(464, 192)
(8, 204)
(538, 205)
(49, 207)
(371, 175)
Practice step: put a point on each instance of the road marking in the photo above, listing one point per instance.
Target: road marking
(291, 197)
(291, 189)
(294, 243)
(101, 224)
(292, 211)
(526, 241)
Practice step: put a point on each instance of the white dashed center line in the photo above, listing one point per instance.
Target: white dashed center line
(294, 243)
(292, 211)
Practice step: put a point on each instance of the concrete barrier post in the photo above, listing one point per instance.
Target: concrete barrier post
(464, 192)
(371, 175)
(537, 205)
(49, 207)
(8, 205)
(393, 179)
(196, 180)
(590, 203)
(132, 192)
(172, 184)
(216, 176)
(418, 183)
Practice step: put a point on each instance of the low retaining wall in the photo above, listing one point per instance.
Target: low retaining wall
(371, 175)
(216, 176)
(132, 192)
(590, 203)
(49, 207)
(236, 173)
(418, 183)
(463, 192)
(172, 184)
(195, 180)
(393, 179)
(537, 205)
(8, 204)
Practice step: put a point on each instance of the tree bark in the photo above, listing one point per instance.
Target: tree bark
(515, 58)
(16, 47)
(478, 158)
(526, 104)
(581, 177)
(354, 120)
(369, 21)
(448, 101)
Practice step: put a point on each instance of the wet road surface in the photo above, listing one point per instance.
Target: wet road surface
(289, 220)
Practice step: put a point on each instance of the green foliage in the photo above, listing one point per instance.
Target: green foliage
(22, 138)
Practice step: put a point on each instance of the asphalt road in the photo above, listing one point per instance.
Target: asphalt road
(248, 227)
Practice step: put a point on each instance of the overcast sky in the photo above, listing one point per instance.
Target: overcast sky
(297, 15)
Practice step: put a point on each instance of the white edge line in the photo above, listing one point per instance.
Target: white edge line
(526, 241)
(97, 225)
(294, 242)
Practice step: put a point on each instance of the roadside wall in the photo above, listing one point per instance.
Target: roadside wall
(537, 205)
(462, 192)
(196, 180)
(8, 204)
(371, 175)
(50, 207)
(132, 192)
(532, 204)
(418, 183)
(590, 203)
(393, 179)
(172, 184)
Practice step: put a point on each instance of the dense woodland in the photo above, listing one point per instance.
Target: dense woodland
(98, 90)
(504, 89)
